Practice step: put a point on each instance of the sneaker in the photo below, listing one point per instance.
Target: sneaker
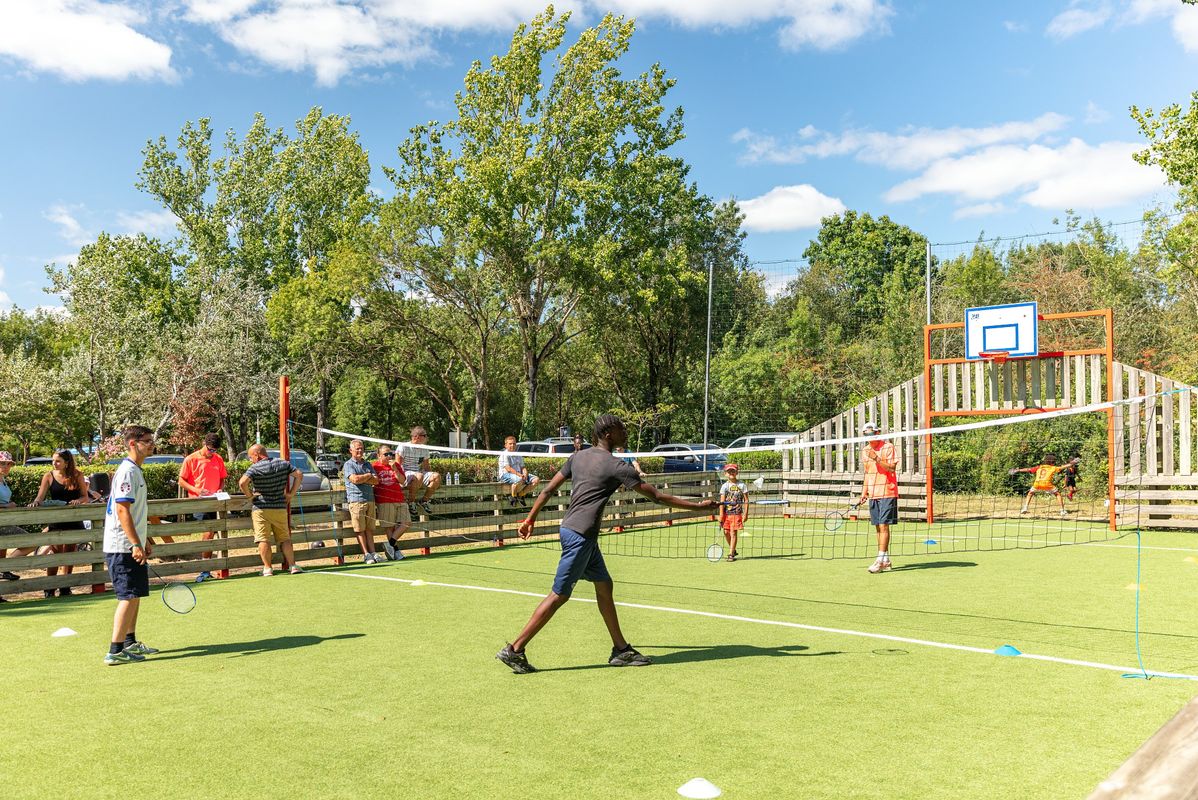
(1064, 513)
(880, 566)
(426, 508)
(140, 649)
(204, 576)
(390, 550)
(517, 662)
(379, 557)
(64, 591)
(48, 593)
(398, 555)
(1023, 511)
(266, 573)
(10, 576)
(628, 657)
(512, 502)
(123, 657)
(368, 558)
(524, 502)
(413, 511)
(295, 570)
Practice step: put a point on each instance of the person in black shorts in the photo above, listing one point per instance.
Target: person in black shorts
(596, 475)
(1070, 473)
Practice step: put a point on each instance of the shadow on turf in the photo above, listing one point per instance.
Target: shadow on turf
(685, 654)
(933, 565)
(235, 649)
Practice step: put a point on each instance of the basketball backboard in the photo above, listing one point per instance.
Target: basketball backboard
(1011, 328)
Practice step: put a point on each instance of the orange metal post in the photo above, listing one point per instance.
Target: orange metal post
(1109, 321)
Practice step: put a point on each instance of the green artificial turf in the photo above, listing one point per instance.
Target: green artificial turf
(330, 686)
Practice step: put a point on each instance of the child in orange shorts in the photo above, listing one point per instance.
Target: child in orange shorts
(734, 507)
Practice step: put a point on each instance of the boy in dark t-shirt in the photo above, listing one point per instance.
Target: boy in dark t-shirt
(596, 475)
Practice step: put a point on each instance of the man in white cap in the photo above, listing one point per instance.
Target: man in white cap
(880, 487)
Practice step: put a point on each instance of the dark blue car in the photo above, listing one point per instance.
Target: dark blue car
(689, 462)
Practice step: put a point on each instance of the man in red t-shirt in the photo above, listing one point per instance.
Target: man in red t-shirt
(203, 474)
(390, 503)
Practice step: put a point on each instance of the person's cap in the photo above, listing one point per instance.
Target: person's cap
(6, 457)
(731, 468)
(871, 428)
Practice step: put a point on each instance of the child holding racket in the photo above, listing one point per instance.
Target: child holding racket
(734, 507)
(127, 547)
(880, 487)
(596, 474)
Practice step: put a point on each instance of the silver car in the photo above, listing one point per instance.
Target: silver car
(314, 481)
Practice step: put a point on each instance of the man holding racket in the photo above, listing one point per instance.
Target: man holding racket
(880, 487)
(127, 547)
(596, 475)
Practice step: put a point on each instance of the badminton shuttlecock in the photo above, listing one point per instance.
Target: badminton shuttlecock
(757, 484)
(61, 632)
(699, 788)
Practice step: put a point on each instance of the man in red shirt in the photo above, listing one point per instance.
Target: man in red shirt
(390, 504)
(880, 487)
(203, 474)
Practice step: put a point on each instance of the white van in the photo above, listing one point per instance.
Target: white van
(762, 440)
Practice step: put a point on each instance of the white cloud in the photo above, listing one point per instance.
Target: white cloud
(1014, 27)
(69, 228)
(82, 40)
(788, 208)
(979, 210)
(152, 223)
(1185, 27)
(334, 38)
(1183, 18)
(1075, 174)
(1095, 113)
(1077, 20)
(911, 149)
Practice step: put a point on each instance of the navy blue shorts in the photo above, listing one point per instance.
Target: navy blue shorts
(580, 559)
(883, 511)
(130, 580)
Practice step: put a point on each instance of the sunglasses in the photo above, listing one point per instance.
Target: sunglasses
(388, 455)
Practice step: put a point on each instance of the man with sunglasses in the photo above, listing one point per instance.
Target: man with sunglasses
(390, 504)
(202, 475)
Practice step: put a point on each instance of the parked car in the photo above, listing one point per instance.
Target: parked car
(689, 463)
(330, 464)
(555, 444)
(314, 481)
(38, 461)
(762, 440)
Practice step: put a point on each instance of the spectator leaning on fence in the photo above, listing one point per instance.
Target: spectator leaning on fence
(127, 547)
(203, 474)
(513, 472)
(360, 480)
(65, 485)
(422, 482)
(6, 502)
(270, 483)
(389, 501)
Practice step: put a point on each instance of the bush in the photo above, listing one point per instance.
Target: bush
(162, 480)
(761, 459)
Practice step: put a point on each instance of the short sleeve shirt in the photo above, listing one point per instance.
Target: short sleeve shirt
(389, 489)
(734, 494)
(879, 483)
(270, 477)
(5, 494)
(128, 486)
(1044, 475)
(358, 492)
(513, 460)
(596, 475)
(204, 471)
(412, 457)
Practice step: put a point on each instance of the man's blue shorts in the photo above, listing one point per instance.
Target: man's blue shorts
(580, 559)
(508, 477)
(130, 580)
(883, 511)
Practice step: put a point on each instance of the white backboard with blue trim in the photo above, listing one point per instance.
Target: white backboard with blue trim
(1011, 328)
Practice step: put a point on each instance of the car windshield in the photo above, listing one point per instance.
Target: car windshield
(300, 461)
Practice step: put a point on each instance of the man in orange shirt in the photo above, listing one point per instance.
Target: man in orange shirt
(880, 487)
(203, 474)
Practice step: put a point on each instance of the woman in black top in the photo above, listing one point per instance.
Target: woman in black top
(65, 485)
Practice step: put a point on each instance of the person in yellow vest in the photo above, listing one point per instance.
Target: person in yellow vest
(1045, 473)
(880, 487)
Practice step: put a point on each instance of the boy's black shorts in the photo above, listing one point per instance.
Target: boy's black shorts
(130, 580)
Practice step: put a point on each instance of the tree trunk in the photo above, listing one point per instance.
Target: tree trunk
(226, 429)
(322, 413)
(528, 420)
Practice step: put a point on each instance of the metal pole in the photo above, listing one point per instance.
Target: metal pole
(707, 360)
(927, 278)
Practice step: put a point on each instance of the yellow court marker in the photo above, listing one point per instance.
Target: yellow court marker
(1132, 587)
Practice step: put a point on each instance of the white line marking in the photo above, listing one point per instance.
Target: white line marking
(779, 623)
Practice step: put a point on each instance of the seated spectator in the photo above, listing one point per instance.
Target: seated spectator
(66, 486)
(421, 482)
(629, 460)
(513, 472)
(270, 483)
(389, 501)
(6, 502)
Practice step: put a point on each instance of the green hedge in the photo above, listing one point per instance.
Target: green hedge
(161, 479)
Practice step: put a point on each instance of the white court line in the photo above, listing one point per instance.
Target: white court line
(779, 623)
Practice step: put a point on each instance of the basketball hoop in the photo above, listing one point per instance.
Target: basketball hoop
(998, 357)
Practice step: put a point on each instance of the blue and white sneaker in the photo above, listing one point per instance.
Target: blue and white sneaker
(141, 649)
(204, 576)
(390, 550)
(123, 657)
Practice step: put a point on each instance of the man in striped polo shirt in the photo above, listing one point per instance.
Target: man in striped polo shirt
(270, 483)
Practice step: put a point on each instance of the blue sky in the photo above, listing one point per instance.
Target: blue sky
(951, 117)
